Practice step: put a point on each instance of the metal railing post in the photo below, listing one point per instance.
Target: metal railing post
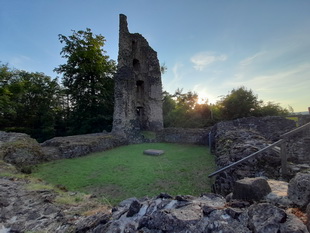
(284, 159)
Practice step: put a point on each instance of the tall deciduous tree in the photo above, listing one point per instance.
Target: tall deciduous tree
(87, 77)
(28, 102)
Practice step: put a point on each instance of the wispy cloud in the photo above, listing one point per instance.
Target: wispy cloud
(203, 59)
(286, 79)
(19, 60)
(249, 60)
(288, 85)
(177, 78)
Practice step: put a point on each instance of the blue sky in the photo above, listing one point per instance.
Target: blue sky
(209, 47)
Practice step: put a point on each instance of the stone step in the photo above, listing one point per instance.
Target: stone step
(153, 152)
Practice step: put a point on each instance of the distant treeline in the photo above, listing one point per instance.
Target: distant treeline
(183, 109)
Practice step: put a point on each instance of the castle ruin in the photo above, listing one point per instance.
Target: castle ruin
(138, 87)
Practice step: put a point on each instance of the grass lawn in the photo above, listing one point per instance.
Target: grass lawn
(294, 119)
(125, 172)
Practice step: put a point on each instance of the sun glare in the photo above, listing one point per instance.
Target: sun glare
(205, 98)
(202, 100)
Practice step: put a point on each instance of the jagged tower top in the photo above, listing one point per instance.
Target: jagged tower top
(123, 25)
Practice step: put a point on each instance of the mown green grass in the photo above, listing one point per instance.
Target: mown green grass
(126, 172)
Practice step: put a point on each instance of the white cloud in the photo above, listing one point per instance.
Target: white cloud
(287, 86)
(251, 59)
(177, 77)
(203, 59)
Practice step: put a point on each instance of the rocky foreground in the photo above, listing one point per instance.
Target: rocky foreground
(24, 209)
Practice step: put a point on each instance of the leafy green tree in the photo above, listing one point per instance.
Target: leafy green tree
(182, 110)
(239, 103)
(272, 109)
(29, 103)
(87, 78)
(169, 105)
(6, 106)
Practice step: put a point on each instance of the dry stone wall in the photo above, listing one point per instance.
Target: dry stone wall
(184, 135)
(80, 145)
(234, 140)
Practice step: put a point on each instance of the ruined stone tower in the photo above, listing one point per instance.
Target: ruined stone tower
(138, 87)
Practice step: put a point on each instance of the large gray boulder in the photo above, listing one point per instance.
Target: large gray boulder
(251, 189)
(266, 218)
(299, 189)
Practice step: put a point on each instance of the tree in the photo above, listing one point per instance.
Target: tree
(169, 105)
(29, 102)
(87, 77)
(6, 106)
(163, 68)
(239, 103)
(182, 110)
(272, 109)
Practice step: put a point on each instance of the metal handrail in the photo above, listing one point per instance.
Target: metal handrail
(283, 137)
(294, 131)
(246, 158)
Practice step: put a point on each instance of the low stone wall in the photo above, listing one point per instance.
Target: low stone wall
(298, 148)
(80, 145)
(184, 135)
(303, 119)
(234, 140)
(22, 150)
(298, 145)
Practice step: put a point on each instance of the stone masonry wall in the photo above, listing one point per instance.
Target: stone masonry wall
(234, 140)
(80, 145)
(138, 86)
(184, 135)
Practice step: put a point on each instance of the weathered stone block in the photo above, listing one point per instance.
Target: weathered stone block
(251, 189)
(133, 208)
(264, 217)
(299, 189)
(153, 152)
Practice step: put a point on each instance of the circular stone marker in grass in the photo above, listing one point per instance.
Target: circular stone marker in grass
(153, 152)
